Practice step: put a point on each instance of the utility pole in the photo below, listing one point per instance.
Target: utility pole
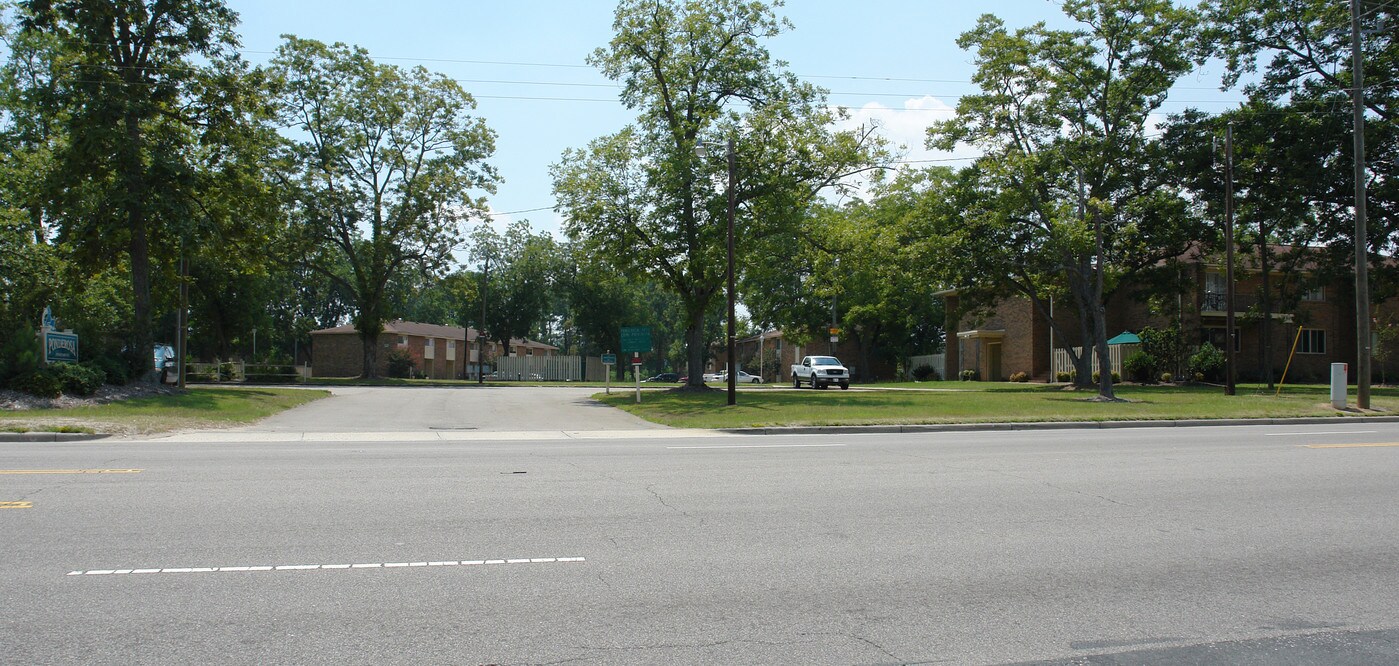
(733, 339)
(182, 319)
(1229, 388)
(1362, 277)
(481, 332)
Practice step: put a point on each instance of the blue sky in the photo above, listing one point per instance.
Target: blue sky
(896, 60)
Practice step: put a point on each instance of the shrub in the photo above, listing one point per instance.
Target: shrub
(77, 379)
(923, 373)
(1141, 367)
(967, 375)
(1207, 362)
(1020, 377)
(1064, 377)
(114, 370)
(1164, 345)
(1167, 378)
(20, 353)
(227, 371)
(400, 363)
(43, 382)
(1115, 377)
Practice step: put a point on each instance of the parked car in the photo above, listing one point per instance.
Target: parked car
(712, 376)
(820, 372)
(742, 378)
(664, 377)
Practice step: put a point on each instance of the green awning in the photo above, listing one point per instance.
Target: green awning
(1125, 338)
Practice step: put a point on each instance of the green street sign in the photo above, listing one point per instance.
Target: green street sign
(636, 339)
(609, 359)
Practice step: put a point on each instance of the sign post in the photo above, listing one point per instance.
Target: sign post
(608, 360)
(635, 340)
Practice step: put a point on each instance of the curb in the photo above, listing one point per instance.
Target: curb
(1050, 425)
(50, 436)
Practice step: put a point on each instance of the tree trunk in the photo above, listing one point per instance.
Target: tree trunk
(1100, 328)
(370, 343)
(695, 348)
(142, 340)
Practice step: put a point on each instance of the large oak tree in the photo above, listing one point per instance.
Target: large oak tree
(697, 72)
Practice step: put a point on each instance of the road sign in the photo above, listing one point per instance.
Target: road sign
(835, 331)
(636, 339)
(60, 347)
(609, 359)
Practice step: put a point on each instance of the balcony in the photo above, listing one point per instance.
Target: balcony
(1213, 305)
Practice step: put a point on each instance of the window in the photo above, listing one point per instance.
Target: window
(1214, 283)
(1314, 294)
(403, 341)
(1215, 336)
(428, 344)
(451, 344)
(1313, 341)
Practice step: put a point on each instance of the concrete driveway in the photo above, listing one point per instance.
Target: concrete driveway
(447, 409)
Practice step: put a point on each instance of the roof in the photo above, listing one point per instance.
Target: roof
(1125, 338)
(770, 334)
(400, 327)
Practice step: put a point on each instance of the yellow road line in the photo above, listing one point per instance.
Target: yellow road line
(1348, 446)
(71, 471)
(16, 505)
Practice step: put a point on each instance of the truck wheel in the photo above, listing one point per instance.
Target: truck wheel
(845, 387)
(796, 381)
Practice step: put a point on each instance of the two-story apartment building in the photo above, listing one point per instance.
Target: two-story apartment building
(1015, 336)
(438, 352)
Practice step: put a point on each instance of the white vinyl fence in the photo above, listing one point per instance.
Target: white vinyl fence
(543, 368)
(1062, 362)
(933, 361)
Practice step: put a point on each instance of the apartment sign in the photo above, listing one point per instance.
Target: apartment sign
(60, 347)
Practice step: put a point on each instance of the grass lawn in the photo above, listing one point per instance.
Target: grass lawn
(981, 402)
(195, 408)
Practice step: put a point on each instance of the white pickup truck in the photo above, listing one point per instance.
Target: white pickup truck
(820, 372)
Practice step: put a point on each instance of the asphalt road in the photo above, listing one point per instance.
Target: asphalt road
(461, 408)
(1163, 545)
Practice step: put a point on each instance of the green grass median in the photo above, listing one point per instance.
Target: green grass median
(195, 408)
(966, 402)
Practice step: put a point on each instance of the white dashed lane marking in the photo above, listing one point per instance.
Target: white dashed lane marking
(316, 567)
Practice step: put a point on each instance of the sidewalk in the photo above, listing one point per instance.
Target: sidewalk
(217, 436)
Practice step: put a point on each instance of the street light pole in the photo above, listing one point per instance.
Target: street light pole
(733, 355)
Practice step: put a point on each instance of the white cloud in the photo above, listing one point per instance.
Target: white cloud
(906, 129)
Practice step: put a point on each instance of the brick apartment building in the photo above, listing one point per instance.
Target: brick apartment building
(1015, 337)
(439, 352)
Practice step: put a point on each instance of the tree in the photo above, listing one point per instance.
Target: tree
(1300, 53)
(1068, 193)
(520, 280)
(697, 72)
(129, 106)
(382, 165)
